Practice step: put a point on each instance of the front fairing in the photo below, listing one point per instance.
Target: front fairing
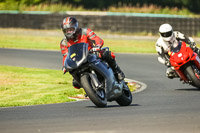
(180, 55)
(77, 55)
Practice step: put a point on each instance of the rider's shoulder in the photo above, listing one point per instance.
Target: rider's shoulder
(178, 34)
(84, 31)
(159, 42)
(64, 41)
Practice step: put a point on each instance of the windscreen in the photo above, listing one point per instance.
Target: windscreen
(177, 48)
(77, 54)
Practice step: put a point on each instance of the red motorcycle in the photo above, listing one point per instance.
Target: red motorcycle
(186, 63)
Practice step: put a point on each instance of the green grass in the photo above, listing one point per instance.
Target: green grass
(154, 9)
(130, 46)
(42, 40)
(29, 86)
(29, 41)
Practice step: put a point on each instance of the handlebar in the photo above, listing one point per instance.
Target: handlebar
(193, 45)
(105, 48)
(97, 52)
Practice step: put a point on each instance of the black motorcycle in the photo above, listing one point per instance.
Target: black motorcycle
(96, 77)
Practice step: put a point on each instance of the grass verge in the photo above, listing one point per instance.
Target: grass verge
(28, 86)
(50, 40)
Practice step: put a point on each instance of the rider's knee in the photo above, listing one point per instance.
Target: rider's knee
(106, 55)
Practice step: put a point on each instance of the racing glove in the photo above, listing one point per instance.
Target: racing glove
(193, 45)
(64, 70)
(96, 48)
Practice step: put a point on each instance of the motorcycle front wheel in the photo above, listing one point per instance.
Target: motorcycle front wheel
(98, 97)
(126, 98)
(192, 75)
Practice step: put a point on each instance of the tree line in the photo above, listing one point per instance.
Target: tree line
(192, 5)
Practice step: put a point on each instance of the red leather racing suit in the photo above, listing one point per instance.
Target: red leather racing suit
(85, 35)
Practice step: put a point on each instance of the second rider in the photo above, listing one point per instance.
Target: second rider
(169, 38)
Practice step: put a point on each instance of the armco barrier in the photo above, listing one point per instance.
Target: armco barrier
(107, 21)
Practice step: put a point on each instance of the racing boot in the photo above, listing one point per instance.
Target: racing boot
(76, 84)
(170, 73)
(118, 73)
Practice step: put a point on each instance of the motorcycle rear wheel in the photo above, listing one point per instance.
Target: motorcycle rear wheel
(126, 98)
(99, 101)
(190, 73)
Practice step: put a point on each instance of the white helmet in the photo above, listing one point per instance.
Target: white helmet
(166, 32)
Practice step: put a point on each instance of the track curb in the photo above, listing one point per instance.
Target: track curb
(140, 86)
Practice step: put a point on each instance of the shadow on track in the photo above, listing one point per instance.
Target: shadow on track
(188, 89)
(113, 106)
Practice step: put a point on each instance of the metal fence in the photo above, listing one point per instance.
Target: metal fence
(114, 23)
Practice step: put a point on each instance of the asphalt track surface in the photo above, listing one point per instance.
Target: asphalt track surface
(165, 106)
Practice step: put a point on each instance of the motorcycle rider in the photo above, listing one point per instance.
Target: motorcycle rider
(74, 34)
(169, 38)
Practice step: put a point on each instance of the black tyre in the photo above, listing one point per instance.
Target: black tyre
(98, 97)
(126, 98)
(190, 73)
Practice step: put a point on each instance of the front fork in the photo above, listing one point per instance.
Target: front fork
(95, 80)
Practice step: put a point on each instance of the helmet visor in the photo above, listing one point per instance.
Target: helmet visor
(69, 30)
(166, 34)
